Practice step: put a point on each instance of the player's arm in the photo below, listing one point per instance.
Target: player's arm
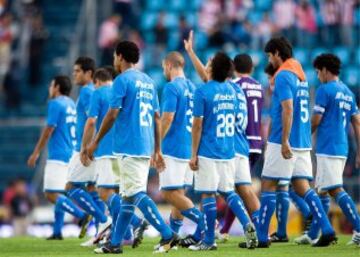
(166, 121)
(196, 137)
(106, 125)
(315, 122)
(159, 162)
(199, 66)
(89, 132)
(355, 121)
(286, 117)
(40, 145)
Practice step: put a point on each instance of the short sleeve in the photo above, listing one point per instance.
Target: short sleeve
(156, 102)
(94, 109)
(118, 93)
(354, 107)
(321, 101)
(283, 83)
(169, 98)
(199, 103)
(53, 114)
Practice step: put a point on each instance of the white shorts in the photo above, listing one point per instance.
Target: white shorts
(176, 175)
(78, 173)
(278, 168)
(215, 176)
(329, 172)
(242, 171)
(55, 175)
(134, 172)
(105, 176)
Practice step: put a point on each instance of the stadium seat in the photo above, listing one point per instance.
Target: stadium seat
(173, 41)
(155, 5)
(254, 17)
(315, 52)
(357, 56)
(258, 57)
(262, 5)
(302, 55)
(178, 5)
(149, 20)
(311, 76)
(171, 20)
(351, 76)
(343, 53)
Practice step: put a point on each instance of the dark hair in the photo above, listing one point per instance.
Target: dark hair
(243, 63)
(328, 61)
(102, 75)
(270, 70)
(86, 64)
(281, 45)
(111, 70)
(221, 67)
(64, 84)
(129, 51)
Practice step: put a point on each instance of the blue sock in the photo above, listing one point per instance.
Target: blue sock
(65, 204)
(152, 215)
(255, 218)
(58, 222)
(100, 203)
(315, 225)
(122, 222)
(128, 233)
(282, 211)
(175, 224)
(209, 209)
(136, 221)
(349, 209)
(268, 204)
(114, 205)
(300, 204)
(318, 212)
(86, 202)
(196, 216)
(236, 205)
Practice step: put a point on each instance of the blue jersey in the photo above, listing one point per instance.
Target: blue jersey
(82, 111)
(336, 103)
(177, 98)
(135, 94)
(62, 116)
(100, 102)
(216, 103)
(241, 122)
(288, 86)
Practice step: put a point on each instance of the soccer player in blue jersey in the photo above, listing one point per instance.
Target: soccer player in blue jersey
(59, 135)
(335, 108)
(176, 123)
(287, 155)
(134, 109)
(107, 182)
(81, 179)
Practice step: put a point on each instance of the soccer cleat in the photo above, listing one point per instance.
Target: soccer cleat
(103, 229)
(139, 233)
(303, 240)
(188, 241)
(201, 246)
(250, 235)
(325, 240)
(274, 238)
(166, 245)
(55, 237)
(84, 223)
(355, 239)
(223, 238)
(108, 248)
(259, 245)
(89, 242)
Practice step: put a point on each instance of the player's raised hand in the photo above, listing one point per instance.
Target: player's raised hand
(194, 163)
(31, 162)
(188, 44)
(286, 150)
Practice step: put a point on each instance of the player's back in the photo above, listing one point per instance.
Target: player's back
(100, 103)
(135, 94)
(62, 115)
(216, 102)
(288, 86)
(82, 109)
(255, 97)
(339, 104)
(178, 98)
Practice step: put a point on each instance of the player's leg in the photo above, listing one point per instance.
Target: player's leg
(301, 185)
(176, 220)
(226, 171)
(303, 207)
(282, 212)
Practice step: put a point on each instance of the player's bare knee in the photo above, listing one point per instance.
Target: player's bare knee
(335, 191)
(104, 193)
(301, 186)
(51, 196)
(268, 185)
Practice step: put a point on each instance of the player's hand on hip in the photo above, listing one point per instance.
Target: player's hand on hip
(31, 162)
(286, 150)
(194, 163)
(188, 44)
(84, 158)
(91, 149)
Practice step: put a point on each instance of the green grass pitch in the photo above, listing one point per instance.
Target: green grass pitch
(28, 247)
